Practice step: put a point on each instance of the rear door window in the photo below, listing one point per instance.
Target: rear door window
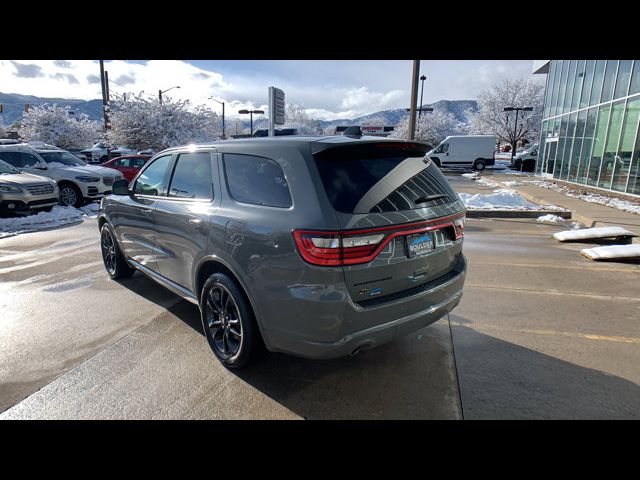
(256, 180)
(12, 158)
(378, 179)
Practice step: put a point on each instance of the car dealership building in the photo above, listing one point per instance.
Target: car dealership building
(590, 120)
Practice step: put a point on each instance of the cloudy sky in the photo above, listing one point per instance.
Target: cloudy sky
(328, 89)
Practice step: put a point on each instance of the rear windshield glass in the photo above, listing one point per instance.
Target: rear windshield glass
(369, 180)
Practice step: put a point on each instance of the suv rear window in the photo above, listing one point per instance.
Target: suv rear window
(376, 178)
(256, 180)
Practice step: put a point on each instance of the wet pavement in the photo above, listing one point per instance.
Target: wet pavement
(540, 333)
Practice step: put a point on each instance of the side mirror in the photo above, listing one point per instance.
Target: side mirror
(39, 166)
(121, 187)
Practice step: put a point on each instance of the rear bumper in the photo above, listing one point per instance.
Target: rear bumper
(427, 307)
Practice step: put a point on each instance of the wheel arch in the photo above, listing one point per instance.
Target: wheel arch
(208, 266)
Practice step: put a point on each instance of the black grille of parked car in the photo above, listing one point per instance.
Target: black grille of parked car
(108, 181)
(40, 189)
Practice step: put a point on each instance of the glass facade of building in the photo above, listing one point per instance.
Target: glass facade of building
(590, 124)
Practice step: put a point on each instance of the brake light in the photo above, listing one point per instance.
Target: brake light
(458, 225)
(352, 247)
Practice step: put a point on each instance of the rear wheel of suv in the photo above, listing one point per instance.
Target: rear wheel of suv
(114, 262)
(228, 322)
(70, 195)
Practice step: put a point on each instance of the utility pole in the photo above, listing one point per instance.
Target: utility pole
(221, 103)
(106, 84)
(160, 96)
(414, 99)
(104, 97)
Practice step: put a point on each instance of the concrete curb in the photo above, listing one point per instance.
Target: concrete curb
(566, 214)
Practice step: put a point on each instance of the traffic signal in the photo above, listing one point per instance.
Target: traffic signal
(26, 107)
(1, 108)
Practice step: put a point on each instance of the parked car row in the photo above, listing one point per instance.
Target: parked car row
(101, 153)
(77, 182)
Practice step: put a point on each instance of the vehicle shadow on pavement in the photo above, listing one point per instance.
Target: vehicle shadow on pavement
(502, 380)
(412, 377)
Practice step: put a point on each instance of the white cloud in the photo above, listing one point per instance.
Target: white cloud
(327, 89)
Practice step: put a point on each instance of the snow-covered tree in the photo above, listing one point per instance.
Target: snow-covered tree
(491, 119)
(296, 117)
(431, 127)
(141, 123)
(57, 126)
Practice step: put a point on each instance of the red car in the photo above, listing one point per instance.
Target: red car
(129, 165)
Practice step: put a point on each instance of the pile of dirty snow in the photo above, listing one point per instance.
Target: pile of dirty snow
(57, 217)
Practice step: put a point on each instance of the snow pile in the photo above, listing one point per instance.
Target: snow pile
(57, 217)
(612, 252)
(513, 183)
(500, 199)
(550, 218)
(624, 205)
(592, 233)
(481, 180)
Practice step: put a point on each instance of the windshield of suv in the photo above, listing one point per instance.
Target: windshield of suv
(64, 158)
(6, 168)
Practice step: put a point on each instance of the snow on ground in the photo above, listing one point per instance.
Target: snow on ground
(57, 217)
(502, 199)
(550, 218)
(514, 183)
(625, 205)
(480, 180)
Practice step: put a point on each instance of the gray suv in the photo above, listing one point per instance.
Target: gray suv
(315, 246)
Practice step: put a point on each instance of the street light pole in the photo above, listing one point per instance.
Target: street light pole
(250, 112)
(160, 92)
(515, 128)
(414, 99)
(423, 78)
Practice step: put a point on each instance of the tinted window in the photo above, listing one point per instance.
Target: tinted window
(29, 160)
(256, 180)
(138, 162)
(365, 180)
(12, 158)
(62, 157)
(151, 181)
(192, 177)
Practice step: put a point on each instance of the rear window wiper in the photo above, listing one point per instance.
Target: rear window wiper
(428, 198)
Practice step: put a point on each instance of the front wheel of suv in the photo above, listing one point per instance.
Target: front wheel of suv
(114, 262)
(70, 195)
(228, 322)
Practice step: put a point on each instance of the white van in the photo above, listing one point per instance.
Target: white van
(475, 151)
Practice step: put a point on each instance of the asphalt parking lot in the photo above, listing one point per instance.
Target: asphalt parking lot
(540, 333)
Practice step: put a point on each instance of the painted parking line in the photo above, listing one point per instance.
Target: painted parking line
(553, 292)
(587, 336)
(590, 267)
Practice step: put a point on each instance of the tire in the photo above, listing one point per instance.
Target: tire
(114, 262)
(228, 322)
(70, 195)
(479, 165)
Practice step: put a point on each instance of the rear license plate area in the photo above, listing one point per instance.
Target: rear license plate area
(418, 244)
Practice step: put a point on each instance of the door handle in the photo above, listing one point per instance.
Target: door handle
(146, 210)
(195, 221)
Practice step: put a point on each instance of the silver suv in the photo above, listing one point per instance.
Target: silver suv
(315, 246)
(21, 193)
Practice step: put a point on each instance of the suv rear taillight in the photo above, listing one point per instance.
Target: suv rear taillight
(351, 247)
